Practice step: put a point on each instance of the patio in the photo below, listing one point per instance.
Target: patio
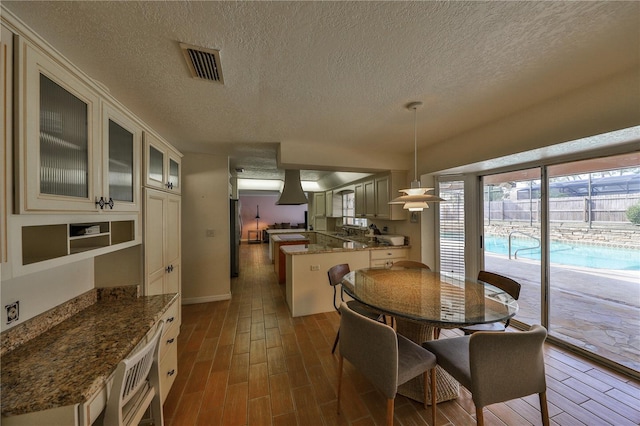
(594, 309)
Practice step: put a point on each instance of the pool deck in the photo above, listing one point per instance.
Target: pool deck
(595, 309)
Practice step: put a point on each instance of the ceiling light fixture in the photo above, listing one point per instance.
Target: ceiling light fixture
(292, 193)
(415, 198)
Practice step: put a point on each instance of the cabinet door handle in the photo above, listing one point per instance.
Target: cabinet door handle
(170, 185)
(169, 269)
(170, 341)
(170, 319)
(171, 372)
(101, 202)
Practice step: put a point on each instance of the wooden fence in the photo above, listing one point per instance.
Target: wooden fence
(601, 209)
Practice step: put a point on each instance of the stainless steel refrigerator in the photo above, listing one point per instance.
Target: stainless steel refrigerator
(234, 236)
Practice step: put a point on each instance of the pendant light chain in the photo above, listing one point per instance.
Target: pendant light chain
(416, 197)
(415, 143)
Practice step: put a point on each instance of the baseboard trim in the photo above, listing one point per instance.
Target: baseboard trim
(206, 299)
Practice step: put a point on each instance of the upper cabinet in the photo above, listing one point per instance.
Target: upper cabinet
(74, 153)
(162, 165)
(372, 197)
(319, 204)
(333, 206)
(6, 95)
(121, 164)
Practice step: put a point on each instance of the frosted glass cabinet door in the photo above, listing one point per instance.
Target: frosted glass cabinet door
(154, 161)
(122, 139)
(64, 142)
(174, 174)
(162, 165)
(58, 135)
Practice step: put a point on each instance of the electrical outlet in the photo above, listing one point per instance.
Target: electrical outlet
(13, 311)
(315, 267)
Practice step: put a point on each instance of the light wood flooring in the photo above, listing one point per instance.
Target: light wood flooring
(246, 361)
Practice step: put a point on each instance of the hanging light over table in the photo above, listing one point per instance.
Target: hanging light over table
(415, 198)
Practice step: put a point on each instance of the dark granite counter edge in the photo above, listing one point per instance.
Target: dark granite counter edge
(35, 374)
(327, 249)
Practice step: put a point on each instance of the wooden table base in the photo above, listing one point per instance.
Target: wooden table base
(447, 387)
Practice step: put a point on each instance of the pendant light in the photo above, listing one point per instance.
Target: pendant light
(415, 198)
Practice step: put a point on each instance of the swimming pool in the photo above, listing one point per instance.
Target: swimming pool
(574, 254)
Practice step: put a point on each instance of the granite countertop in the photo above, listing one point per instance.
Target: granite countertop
(289, 237)
(69, 363)
(322, 248)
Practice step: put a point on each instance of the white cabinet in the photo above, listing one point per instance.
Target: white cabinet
(162, 165)
(373, 196)
(319, 204)
(74, 153)
(385, 258)
(121, 163)
(333, 204)
(369, 199)
(162, 242)
(359, 200)
(168, 364)
(6, 94)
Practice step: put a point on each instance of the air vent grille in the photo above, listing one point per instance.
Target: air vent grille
(203, 63)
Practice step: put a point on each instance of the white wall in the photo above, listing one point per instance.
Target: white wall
(608, 105)
(41, 291)
(205, 205)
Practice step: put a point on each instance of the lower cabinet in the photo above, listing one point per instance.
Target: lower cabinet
(385, 258)
(169, 349)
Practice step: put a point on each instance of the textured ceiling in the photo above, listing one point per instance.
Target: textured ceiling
(335, 73)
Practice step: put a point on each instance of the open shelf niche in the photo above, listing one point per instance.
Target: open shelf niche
(45, 242)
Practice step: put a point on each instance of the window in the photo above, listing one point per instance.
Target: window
(452, 237)
(349, 210)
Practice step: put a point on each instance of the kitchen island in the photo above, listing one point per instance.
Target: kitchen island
(307, 284)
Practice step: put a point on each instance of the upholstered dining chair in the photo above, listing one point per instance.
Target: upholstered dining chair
(336, 273)
(385, 358)
(410, 264)
(496, 366)
(510, 286)
(136, 386)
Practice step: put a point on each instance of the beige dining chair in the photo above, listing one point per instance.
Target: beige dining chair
(384, 357)
(410, 264)
(495, 366)
(336, 273)
(506, 284)
(136, 387)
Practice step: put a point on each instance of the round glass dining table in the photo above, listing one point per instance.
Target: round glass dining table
(421, 300)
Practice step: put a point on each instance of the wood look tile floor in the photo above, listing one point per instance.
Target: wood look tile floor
(246, 361)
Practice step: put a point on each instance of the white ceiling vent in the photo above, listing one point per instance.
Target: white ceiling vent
(203, 63)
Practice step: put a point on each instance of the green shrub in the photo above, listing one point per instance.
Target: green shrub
(633, 214)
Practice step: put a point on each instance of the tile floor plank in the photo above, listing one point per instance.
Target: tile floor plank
(246, 361)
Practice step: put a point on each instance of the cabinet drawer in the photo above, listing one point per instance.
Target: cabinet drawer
(168, 370)
(169, 338)
(389, 254)
(171, 317)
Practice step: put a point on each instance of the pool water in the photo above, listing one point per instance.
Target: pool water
(588, 256)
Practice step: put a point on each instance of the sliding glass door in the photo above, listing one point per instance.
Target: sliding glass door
(512, 235)
(582, 226)
(594, 249)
